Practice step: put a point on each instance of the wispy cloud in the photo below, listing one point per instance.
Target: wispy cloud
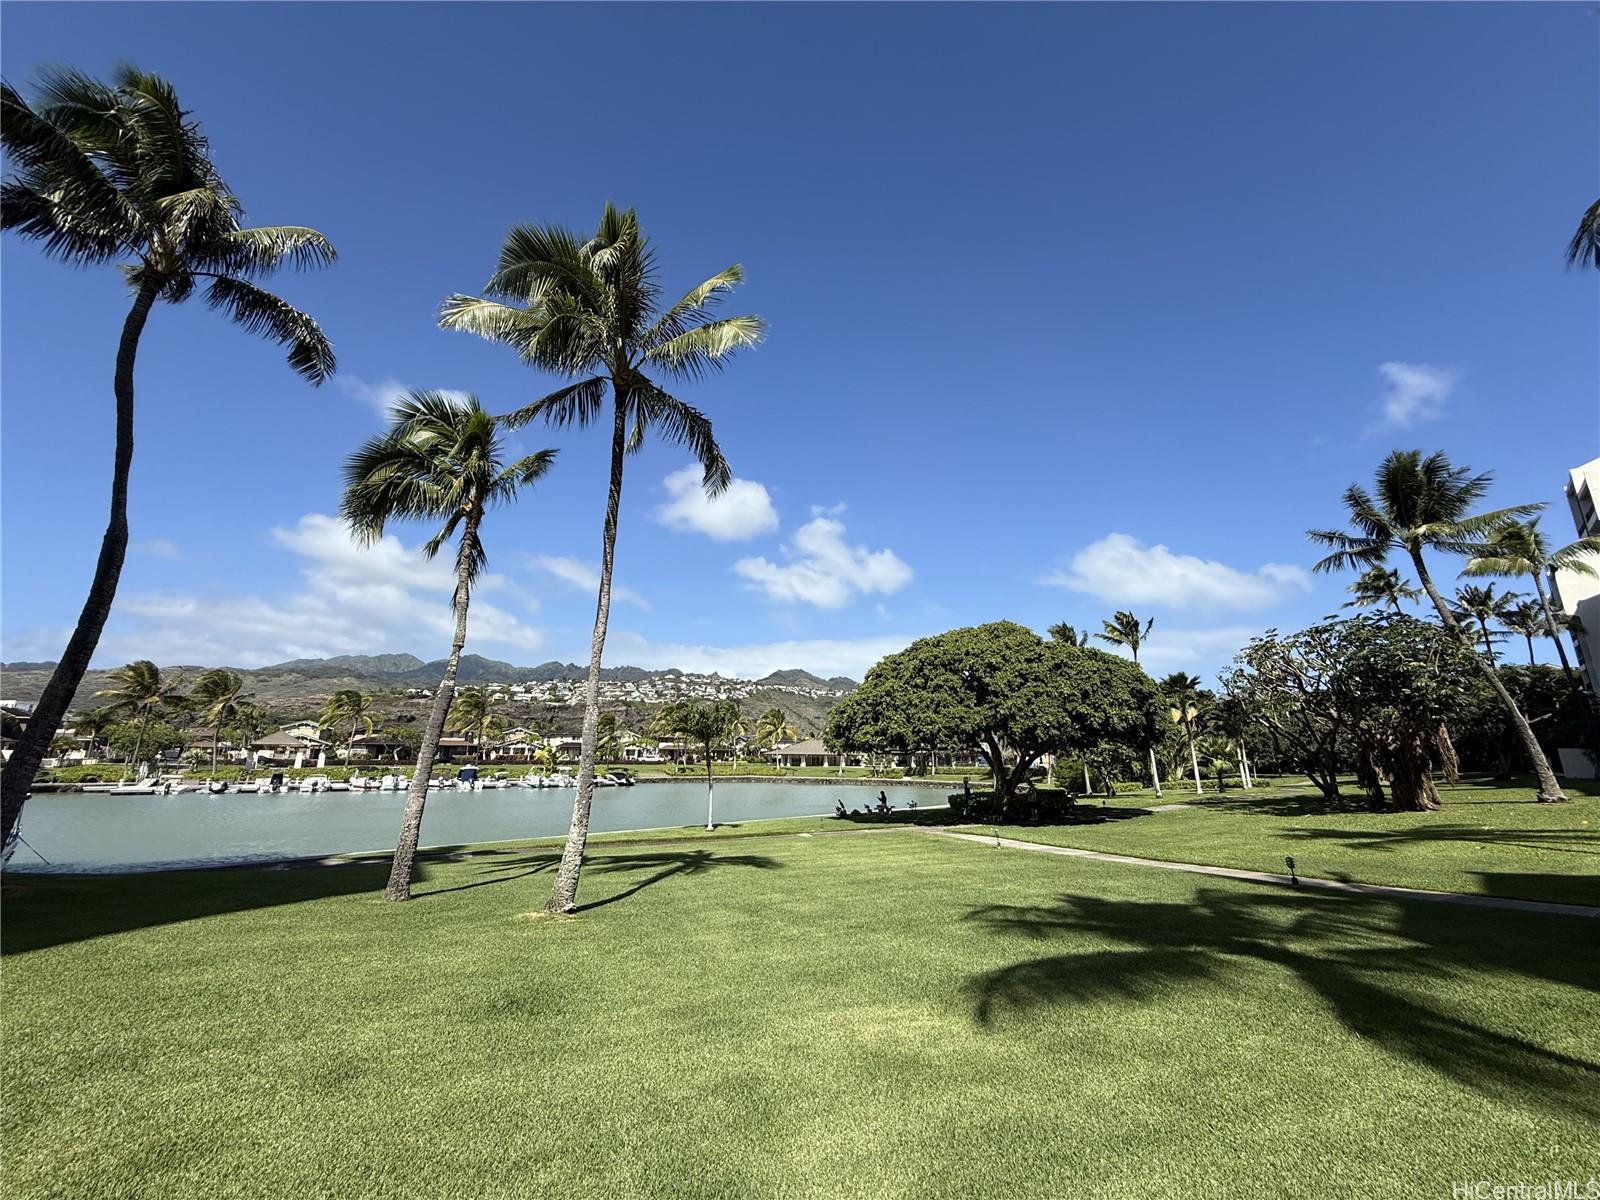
(743, 509)
(824, 570)
(1121, 569)
(584, 577)
(157, 548)
(382, 396)
(1415, 392)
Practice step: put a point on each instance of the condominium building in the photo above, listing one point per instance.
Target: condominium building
(1579, 595)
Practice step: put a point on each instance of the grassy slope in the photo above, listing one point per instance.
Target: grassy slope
(1485, 839)
(886, 1015)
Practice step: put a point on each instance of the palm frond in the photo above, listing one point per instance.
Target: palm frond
(688, 427)
(693, 307)
(1584, 248)
(703, 348)
(262, 313)
(577, 404)
(264, 248)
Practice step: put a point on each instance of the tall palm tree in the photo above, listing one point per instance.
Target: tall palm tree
(1183, 691)
(1427, 503)
(709, 725)
(216, 696)
(1068, 635)
(1124, 630)
(119, 173)
(348, 704)
(772, 728)
(93, 724)
(1584, 248)
(477, 712)
(1528, 620)
(1518, 548)
(140, 690)
(249, 722)
(608, 741)
(588, 310)
(1377, 586)
(440, 461)
(1478, 607)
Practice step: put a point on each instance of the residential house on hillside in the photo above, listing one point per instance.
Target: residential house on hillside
(288, 748)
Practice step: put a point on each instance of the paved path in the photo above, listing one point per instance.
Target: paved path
(1326, 885)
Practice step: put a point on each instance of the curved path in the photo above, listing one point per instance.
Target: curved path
(1326, 885)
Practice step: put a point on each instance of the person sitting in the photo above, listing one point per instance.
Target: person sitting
(838, 808)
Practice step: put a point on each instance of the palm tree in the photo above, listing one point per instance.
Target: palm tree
(1477, 607)
(216, 696)
(710, 725)
(1518, 548)
(1427, 503)
(249, 722)
(440, 461)
(1068, 635)
(1528, 620)
(1584, 248)
(140, 690)
(588, 310)
(1379, 586)
(93, 724)
(348, 704)
(772, 728)
(1184, 693)
(119, 173)
(607, 742)
(1124, 630)
(477, 712)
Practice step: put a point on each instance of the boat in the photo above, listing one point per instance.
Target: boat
(315, 783)
(177, 785)
(389, 783)
(216, 787)
(143, 787)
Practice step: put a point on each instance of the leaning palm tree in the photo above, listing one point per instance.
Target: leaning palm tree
(440, 461)
(119, 173)
(477, 712)
(1477, 607)
(249, 723)
(1183, 691)
(1426, 503)
(1124, 630)
(1378, 586)
(216, 697)
(348, 704)
(1528, 620)
(588, 310)
(772, 728)
(1584, 248)
(1518, 548)
(139, 690)
(1068, 635)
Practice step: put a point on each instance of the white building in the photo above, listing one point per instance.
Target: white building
(1579, 596)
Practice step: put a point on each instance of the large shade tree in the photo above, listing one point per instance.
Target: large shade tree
(589, 310)
(119, 173)
(999, 690)
(441, 460)
(1422, 504)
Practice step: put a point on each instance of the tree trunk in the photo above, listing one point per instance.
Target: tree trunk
(1549, 790)
(405, 851)
(17, 778)
(1550, 624)
(564, 896)
(1155, 775)
(1449, 763)
(710, 824)
(1368, 776)
(216, 736)
(1529, 636)
(138, 741)
(1410, 780)
(1194, 760)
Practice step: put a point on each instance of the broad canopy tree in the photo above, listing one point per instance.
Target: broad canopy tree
(1003, 691)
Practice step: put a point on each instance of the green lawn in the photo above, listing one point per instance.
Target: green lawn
(1489, 839)
(883, 1015)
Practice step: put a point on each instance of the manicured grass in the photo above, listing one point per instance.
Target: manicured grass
(1487, 838)
(873, 1015)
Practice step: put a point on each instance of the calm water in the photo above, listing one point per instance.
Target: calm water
(91, 831)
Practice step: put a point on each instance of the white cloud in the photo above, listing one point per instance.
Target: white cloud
(743, 510)
(157, 548)
(352, 599)
(825, 570)
(585, 577)
(1121, 569)
(1416, 392)
(381, 397)
(823, 657)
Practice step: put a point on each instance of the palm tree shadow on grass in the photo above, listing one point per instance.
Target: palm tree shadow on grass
(1386, 972)
(664, 865)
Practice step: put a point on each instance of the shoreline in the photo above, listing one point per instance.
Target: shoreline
(828, 780)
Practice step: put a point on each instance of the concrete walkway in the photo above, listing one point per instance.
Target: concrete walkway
(1324, 885)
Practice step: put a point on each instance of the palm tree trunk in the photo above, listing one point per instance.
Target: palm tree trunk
(1155, 775)
(138, 741)
(1549, 790)
(1194, 760)
(405, 851)
(564, 896)
(216, 736)
(710, 825)
(1550, 624)
(1529, 637)
(17, 779)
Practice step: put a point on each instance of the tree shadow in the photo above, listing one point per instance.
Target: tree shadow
(1385, 971)
(1565, 841)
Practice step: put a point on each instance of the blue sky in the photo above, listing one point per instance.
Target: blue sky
(1072, 308)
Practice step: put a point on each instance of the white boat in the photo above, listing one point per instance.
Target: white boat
(389, 783)
(315, 783)
(339, 785)
(177, 785)
(216, 787)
